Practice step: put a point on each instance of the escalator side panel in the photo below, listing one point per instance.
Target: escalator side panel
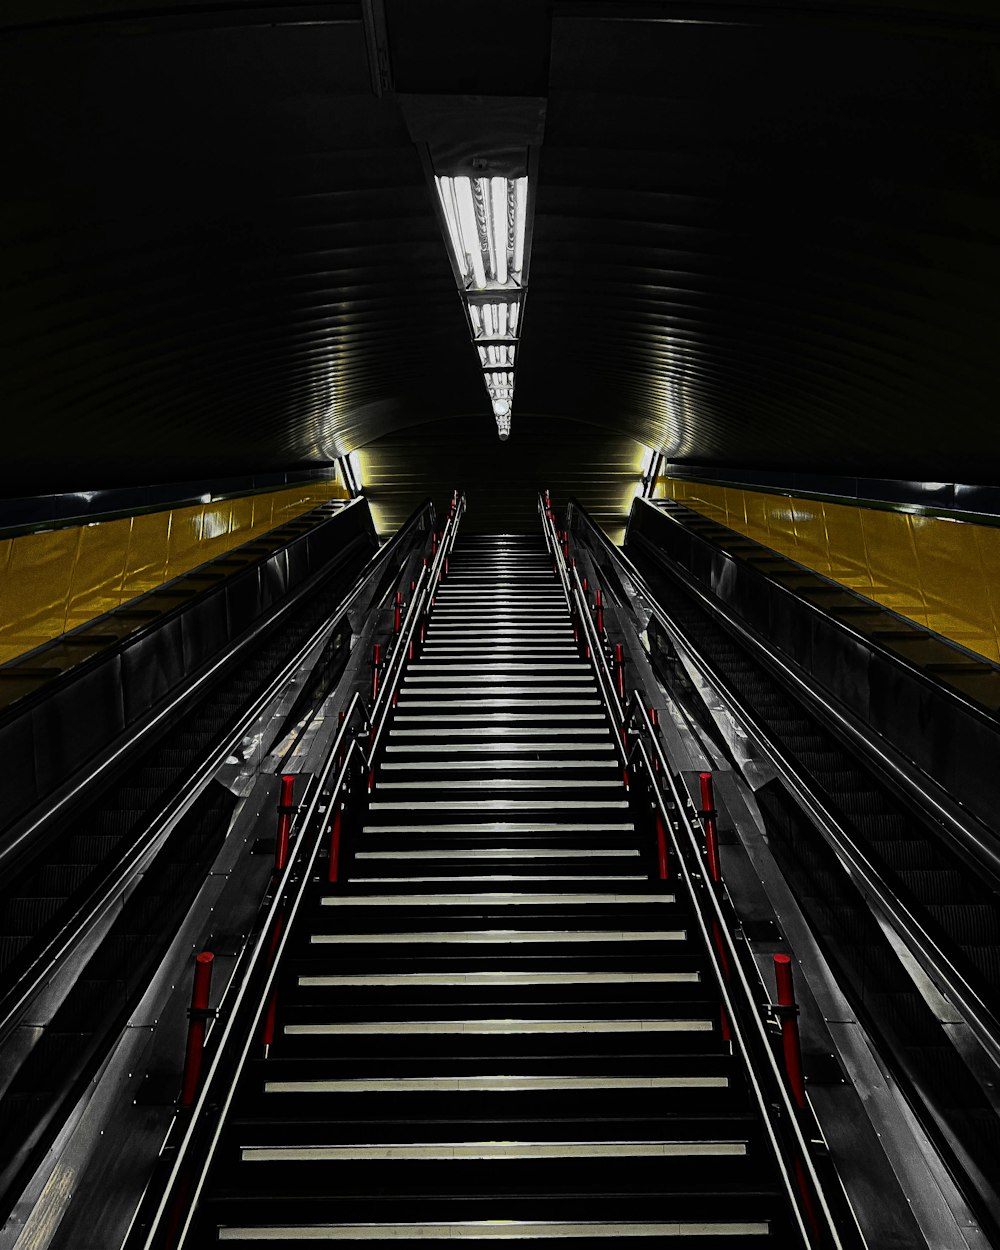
(948, 738)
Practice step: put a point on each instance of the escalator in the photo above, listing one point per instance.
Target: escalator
(45, 1068)
(929, 878)
(492, 1018)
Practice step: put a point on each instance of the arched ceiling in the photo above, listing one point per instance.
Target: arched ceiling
(765, 235)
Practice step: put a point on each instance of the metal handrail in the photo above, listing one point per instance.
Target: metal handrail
(703, 901)
(707, 900)
(245, 1013)
(576, 602)
(978, 1015)
(285, 903)
(420, 603)
(50, 960)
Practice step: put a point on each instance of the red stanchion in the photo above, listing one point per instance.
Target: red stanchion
(397, 616)
(334, 862)
(620, 671)
(267, 1030)
(584, 585)
(661, 847)
(434, 545)
(198, 1017)
(708, 815)
(600, 614)
(566, 547)
(286, 809)
(788, 1011)
(446, 559)
(376, 663)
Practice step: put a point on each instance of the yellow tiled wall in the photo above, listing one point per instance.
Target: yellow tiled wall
(53, 581)
(944, 574)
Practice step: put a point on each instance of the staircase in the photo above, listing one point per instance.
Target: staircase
(502, 1026)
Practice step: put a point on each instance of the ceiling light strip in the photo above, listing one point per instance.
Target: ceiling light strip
(485, 221)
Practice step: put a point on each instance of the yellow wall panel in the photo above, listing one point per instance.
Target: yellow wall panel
(943, 574)
(57, 580)
(147, 553)
(97, 574)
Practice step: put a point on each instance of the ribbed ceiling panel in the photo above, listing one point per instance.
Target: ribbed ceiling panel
(765, 236)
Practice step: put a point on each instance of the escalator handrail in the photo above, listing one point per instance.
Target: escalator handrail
(578, 607)
(49, 960)
(241, 1017)
(420, 601)
(711, 921)
(978, 1015)
(245, 1013)
(703, 901)
(975, 840)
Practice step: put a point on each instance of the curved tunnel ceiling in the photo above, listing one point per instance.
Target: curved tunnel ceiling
(764, 235)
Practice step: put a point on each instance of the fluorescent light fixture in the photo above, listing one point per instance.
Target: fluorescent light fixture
(494, 319)
(497, 356)
(485, 225)
(486, 219)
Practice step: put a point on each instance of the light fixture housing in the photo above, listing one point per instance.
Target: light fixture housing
(486, 225)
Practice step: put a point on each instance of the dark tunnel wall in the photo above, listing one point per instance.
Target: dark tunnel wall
(765, 235)
(502, 480)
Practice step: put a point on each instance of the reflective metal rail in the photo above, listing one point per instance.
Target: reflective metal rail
(639, 744)
(164, 1222)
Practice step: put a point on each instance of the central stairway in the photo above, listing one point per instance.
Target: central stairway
(502, 1025)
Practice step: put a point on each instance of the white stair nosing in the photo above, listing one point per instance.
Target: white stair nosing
(502, 898)
(447, 879)
(492, 805)
(499, 744)
(512, 718)
(441, 1151)
(504, 852)
(470, 703)
(489, 1084)
(499, 979)
(494, 937)
(502, 827)
(489, 1028)
(451, 766)
(511, 783)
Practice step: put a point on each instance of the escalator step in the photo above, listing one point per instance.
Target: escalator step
(906, 853)
(157, 776)
(64, 879)
(987, 961)
(11, 946)
(91, 848)
(27, 915)
(936, 885)
(116, 822)
(969, 923)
